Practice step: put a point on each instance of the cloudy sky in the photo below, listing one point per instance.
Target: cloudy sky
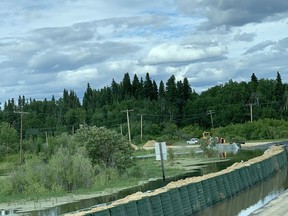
(46, 46)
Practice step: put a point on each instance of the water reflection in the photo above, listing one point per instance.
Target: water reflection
(250, 200)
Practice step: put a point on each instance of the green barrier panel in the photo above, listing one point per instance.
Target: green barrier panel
(268, 168)
(166, 203)
(185, 200)
(232, 183)
(221, 188)
(215, 195)
(243, 178)
(283, 158)
(207, 194)
(253, 173)
(237, 179)
(131, 208)
(248, 177)
(201, 196)
(117, 211)
(195, 199)
(259, 171)
(271, 166)
(275, 164)
(279, 161)
(156, 206)
(105, 212)
(144, 207)
(227, 186)
(176, 201)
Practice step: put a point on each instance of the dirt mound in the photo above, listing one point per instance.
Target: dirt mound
(150, 143)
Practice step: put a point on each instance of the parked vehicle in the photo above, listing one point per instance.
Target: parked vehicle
(193, 141)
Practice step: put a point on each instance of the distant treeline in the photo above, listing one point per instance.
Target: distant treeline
(171, 102)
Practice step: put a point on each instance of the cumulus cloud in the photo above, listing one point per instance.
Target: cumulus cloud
(174, 53)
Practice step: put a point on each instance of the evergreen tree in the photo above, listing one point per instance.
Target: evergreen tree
(171, 96)
(254, 83)
(186, 89)
(161, 89)
(136, 87)
(126, 86)
(148, 87)
(88, 99)
(171, 90)
(155, 91)
(115, 87)
(279, 88)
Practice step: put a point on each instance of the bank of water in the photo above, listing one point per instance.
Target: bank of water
(150, 185)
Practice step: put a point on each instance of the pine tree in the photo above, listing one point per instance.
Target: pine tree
(161, 89)
(155, 91)
(88, 102)
(171, 90)
(126, 86)
(148, 87)
(279, 88)
(136, 87)
(186, 89)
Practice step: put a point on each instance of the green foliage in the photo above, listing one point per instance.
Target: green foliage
(70, 171)
(8, 139)
(64, 172)
(135, 172)
(192, 130)
(106, 147)
(256, 130)
(192, 153)
(171, 156)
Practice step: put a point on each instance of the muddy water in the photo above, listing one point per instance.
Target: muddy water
(252, 199)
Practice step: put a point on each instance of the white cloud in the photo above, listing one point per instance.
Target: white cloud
(174, 53)
(77, 78)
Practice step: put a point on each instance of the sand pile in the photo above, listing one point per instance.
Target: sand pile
(149, 144)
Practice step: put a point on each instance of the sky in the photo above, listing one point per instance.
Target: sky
(49, 46)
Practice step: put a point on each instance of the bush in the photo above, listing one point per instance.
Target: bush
(135, 172)
(106, 147)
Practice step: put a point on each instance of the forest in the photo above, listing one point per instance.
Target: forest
(166, 106)
(68, 144)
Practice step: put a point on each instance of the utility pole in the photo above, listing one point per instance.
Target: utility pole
(141, 127)
(21, 137)
(210, 112)
(121, 130)
(251, 111)
(128, 124)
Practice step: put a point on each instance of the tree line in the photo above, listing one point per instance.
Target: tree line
(167, 104)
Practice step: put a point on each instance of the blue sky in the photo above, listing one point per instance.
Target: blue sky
(46, 46)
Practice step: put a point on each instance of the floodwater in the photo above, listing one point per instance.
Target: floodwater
(251, 199)
(242, 204)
